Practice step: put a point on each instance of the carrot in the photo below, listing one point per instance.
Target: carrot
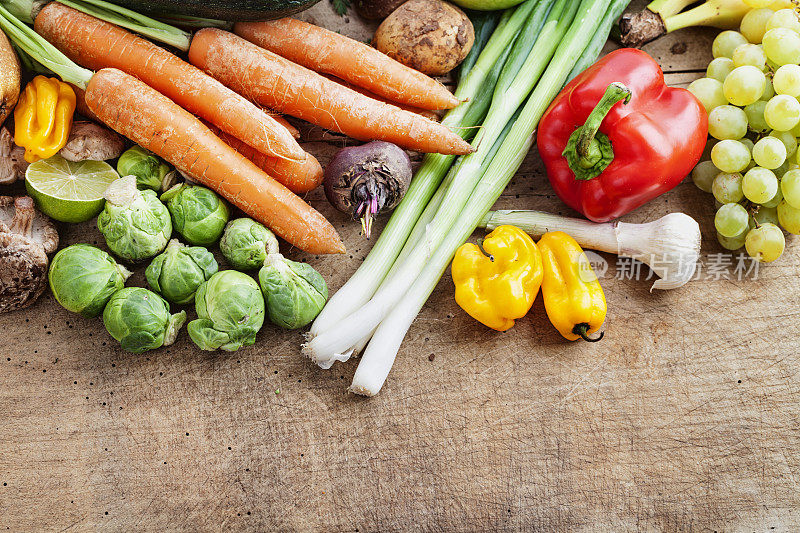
(155, 122)
(299, 177)
(96, 44)
(279, 84)
(329, 52)
(294, 132)
(427, 113)
(80, 103)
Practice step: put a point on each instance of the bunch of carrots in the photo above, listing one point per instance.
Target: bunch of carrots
(207, 116)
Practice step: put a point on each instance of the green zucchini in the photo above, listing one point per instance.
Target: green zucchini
(219, 9)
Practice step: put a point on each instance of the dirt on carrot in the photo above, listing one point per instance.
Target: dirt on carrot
(325, 51)
(155, 122)
(96, 44)
(277, 83)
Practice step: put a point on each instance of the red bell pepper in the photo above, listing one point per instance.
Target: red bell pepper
(616, 137)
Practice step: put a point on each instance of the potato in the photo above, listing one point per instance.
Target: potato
(376, 9)
(431, 36)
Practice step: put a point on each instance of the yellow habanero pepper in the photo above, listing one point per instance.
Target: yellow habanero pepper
(43, 118)
(573, 298)
(497, 289)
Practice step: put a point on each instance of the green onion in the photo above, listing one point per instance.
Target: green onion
(336, 343)
(42, 51)
(476, 92)
(484, 23)
(133, 21)
(381, 352)
(595, 46)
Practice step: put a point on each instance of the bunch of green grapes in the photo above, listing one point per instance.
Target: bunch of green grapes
(752, 164)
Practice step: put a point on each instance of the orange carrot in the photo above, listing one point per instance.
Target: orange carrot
(155, 122)
(277, 83)
(96, 44)
(283, 122)
(329, 52)
(80, 103)
(299, 177)
(427, 113)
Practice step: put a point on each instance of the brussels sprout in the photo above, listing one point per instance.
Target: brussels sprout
(140, 320)
(246, 244)
(135, 223)
(179, 271)
(83, 278)
(197, 213)
(295, 293)
(148, 168)
(230, 312)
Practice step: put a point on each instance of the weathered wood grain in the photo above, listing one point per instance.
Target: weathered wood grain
(685, 418)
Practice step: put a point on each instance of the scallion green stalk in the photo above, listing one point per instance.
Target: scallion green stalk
(382, 350)
(595, 46)
(42, 51)
(336, 343)
(476, 92)
(133, 21)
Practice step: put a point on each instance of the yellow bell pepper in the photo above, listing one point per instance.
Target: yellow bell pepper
(498, 289)
(573, 297)
(43, 118)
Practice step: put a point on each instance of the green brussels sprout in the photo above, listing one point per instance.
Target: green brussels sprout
(140, 320)
(179, 271)
(246, 244)
(148, 168)
(197, 213)
(135, 223)
(230, 312)
(84, 277)
(295, 293)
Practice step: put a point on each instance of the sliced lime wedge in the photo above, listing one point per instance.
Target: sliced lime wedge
(67, 191)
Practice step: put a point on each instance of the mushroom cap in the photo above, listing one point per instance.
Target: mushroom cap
(12, 159)
(26, 236)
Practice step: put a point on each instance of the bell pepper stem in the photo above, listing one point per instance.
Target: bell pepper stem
(582, 331)
(587, 147)
(589, 152)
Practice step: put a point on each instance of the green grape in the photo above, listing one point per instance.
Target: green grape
(727, 188)
(787, 80)
(727, 122)
(764, 215)
(749, 55)
(719, 68)
(782, 46)
(778, 198)
(796, 130)
(790, 187)
(789, 218)
(730, 156)
(709, 91)
(703, 175)
(744, 85)
(769, 91)
(788, 140)
(731, 220)
(755, 116)
(769, 152)
(754, 24)
(726, 42)
(784, 18)
(782, 112)
(759, 185)
(732, 243)
(765, 243)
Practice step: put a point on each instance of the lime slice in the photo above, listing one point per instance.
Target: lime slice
(67, 191)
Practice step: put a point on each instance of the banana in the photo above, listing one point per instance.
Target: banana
(723, 14)
(9, 77)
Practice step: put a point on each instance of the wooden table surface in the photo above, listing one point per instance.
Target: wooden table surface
(684, 418)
